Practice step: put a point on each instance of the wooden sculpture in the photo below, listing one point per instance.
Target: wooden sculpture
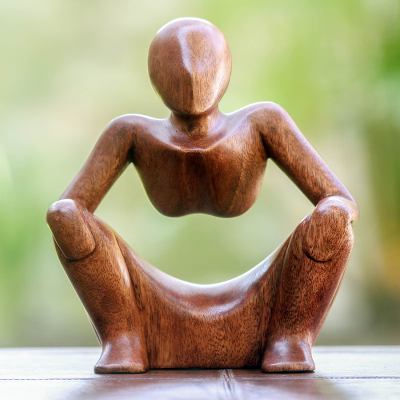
(200, 160)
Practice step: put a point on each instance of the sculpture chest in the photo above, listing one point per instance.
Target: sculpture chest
(220, 179)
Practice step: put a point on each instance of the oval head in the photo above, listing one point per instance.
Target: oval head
(189, 65)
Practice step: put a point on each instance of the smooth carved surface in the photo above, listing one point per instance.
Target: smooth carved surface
(200, 160)
(65, 373)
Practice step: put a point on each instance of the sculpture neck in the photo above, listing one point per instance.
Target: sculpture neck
(196, 125)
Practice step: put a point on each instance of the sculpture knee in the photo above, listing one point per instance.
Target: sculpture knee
(327, 234)
(70, 230)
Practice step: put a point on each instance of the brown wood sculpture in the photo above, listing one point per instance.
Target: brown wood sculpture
(200, 160)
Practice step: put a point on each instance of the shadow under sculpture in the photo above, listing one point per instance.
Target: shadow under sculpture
(200, 160)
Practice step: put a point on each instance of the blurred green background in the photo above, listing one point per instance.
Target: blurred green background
(69, 67)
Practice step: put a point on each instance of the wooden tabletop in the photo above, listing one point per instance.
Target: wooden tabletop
(66, 373)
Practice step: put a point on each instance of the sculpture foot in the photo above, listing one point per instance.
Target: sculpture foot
(288, 355)
(122, 356)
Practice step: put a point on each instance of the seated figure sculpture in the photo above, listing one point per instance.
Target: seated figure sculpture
(200, 160)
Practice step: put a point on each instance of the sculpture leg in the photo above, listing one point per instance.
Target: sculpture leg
(93, 261)
(306, 289)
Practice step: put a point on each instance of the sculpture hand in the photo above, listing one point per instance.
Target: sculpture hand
(71, 232)
(321, 240)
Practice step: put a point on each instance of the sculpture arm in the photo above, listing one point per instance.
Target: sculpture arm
(288, 147)
(106, 162)
(68, 217)
(335, 206)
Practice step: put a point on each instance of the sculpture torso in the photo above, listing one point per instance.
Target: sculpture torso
(218, 173)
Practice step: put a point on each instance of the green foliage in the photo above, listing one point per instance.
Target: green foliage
(69, 67)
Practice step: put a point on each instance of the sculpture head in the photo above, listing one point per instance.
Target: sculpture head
(189, 65)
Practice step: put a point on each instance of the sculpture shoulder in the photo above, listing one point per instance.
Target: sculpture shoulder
(123, 133)
(270, 122)
(130, 124)
(265, 114)
(263, 117)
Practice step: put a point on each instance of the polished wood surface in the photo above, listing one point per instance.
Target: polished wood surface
(200, 160)
(66, 373)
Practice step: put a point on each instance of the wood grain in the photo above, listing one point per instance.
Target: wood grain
(200, 160)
